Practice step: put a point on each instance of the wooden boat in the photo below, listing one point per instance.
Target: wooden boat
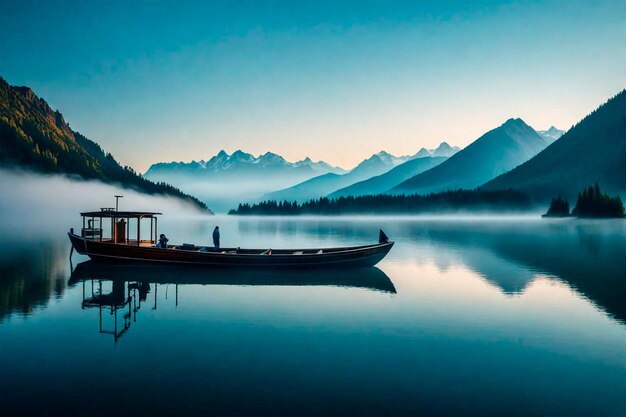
(117, 247)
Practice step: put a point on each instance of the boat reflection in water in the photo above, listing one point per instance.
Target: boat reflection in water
(122, 289)
(126, 297)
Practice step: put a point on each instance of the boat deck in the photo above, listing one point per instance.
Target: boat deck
(239, 251)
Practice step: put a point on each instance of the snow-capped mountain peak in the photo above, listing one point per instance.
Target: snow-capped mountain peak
(551, 134)
(444, 149)
(240, 155)
(390, 159)
(222, 162)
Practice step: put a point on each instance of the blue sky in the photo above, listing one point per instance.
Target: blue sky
(338, 81)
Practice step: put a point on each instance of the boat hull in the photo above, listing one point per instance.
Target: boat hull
(348, 257)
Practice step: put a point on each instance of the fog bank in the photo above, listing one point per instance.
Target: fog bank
(35, 205)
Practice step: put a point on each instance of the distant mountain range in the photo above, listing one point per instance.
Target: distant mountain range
(35, 137)
(374, 175)
(323, 185)
(551, 134)
(422, 161)
(380, 184)
(494, 153)
(592, 151)
(241, 163)
(225, 180)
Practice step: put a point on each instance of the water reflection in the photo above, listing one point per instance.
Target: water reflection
(30, 277)
(123, 288)
(590, 257)
(368, 278)
(509, 253)
(125, 297)
(482, 318)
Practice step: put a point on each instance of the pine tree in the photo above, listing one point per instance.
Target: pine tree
(592, 202)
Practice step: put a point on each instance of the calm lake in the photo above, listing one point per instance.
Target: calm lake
(466, 316)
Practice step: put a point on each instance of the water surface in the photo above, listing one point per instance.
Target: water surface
(483, 316)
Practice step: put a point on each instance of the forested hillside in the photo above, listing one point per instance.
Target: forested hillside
(35, 137)
(593, 151)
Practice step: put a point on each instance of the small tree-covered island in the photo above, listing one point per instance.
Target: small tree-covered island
(591, 203)
(559, 207)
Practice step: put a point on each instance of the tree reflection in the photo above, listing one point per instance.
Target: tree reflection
(31, 276)
(589, 256)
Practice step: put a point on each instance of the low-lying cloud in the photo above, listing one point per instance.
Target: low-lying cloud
(34, 205)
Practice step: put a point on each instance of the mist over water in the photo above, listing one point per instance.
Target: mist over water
(224, 194)
(472, 315)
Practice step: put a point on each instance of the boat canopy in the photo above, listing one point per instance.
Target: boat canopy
(110, 212)
(118, 230)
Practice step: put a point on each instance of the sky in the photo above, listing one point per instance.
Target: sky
(155, 81)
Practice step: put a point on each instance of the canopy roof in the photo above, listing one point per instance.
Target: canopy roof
(124, 214)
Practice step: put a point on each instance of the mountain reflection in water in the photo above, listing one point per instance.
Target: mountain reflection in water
(589, 256)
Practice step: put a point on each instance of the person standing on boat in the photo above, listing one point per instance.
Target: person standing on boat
(216, 237)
